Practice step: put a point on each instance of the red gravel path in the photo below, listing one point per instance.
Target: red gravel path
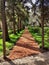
(25, 46)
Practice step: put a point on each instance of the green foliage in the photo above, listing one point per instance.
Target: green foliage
(9, 44)
(46, 29)
(0, 33)
(36, 30)
(48, 33)
(37, 35)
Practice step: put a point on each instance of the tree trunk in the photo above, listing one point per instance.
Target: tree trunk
(4, 26)
(34, 9)
(14, 30)
(21, 25)
(4, 23)
(42, 16)
(18, 24)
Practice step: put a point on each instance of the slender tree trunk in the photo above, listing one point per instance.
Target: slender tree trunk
(34, 9)
(14, 30)
(4, 26)
(4, 23)
(18, 24)
(42, 16)
(21, 25)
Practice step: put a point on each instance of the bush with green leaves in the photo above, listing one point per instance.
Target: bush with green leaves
(48, 35)
(37, 35)
(36, 30)
(46, 29)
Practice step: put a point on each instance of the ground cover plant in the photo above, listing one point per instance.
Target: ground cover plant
(37, 34)
(11, 43)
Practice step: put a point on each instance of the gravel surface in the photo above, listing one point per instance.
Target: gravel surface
(40, 59)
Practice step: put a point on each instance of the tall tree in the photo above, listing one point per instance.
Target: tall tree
(4, 23)
(13, 10)
(42, 17)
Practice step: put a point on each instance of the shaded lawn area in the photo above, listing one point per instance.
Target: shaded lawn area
(37, 34)
(9, 44)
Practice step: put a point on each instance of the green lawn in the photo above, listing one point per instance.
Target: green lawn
(9, 44)
(37, 34)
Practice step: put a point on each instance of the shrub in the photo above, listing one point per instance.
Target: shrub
(48, 33)
(46, 29)
(36, 30)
